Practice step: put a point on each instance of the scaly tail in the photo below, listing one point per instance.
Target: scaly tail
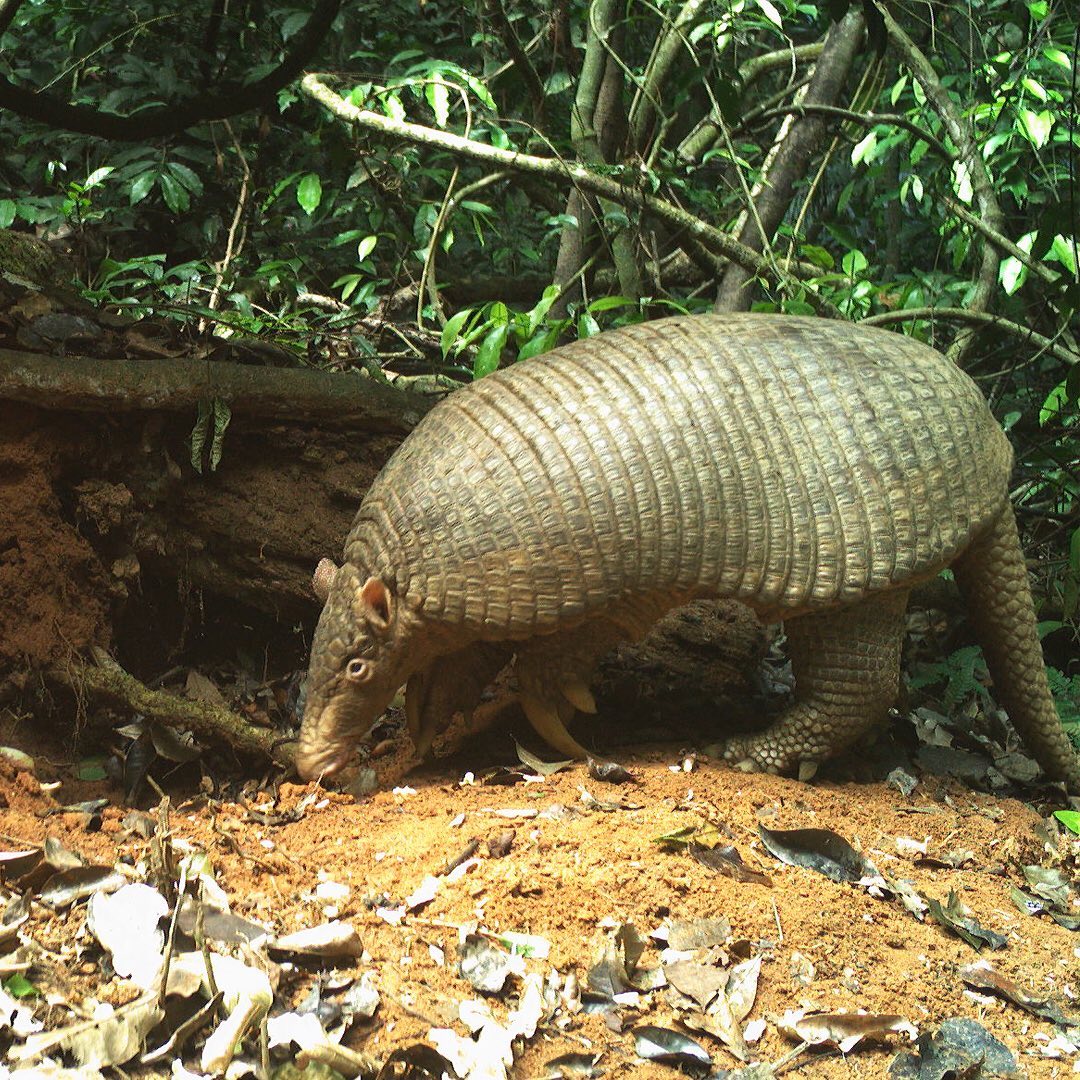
(993, 577)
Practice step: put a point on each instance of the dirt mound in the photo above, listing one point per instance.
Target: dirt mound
(53, 590)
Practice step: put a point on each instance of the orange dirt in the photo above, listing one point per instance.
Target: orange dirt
(52, 587)
(573, 873)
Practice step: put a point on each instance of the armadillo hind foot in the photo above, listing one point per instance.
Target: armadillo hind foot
(847, 669)
(993, 578)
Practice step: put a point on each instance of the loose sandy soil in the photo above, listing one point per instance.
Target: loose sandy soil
(573, 874)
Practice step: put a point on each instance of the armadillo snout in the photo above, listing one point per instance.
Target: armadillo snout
(320, 762)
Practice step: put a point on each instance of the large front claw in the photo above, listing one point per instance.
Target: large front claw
(549, 719)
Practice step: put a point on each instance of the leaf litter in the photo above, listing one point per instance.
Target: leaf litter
(407, 936)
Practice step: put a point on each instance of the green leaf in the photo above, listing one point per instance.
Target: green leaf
(392, 106)
(587, 325)
(309, 193)
(96, 177)
(490, 351)
(1035, 127)
(91, 768)
(141, 186)
(557, 82)
(1012, 273)
(222, 416)
(478, 88)
(1054, 405)
(853, 263)
(961, 181)
(1070, 819)
(366, 247)
(19, 986)
(845, 196)
(819, 256)
(7, 212)
(186, 176)
(536, 315)
(1034, 87)
(1056, 56)
(864, 149)
(1063, 250)
(770, 12)
(452, 329)
(198, 435)
(438, 97)
(610, 303)
(176, 197)
(539, 343)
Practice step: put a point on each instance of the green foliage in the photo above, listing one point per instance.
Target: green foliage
(1066, 691)
(18, 986)
(961, 676)
(494, 328)
(240, 224)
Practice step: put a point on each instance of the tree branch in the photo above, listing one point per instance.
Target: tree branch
(791, 156)
(522, 64)
(170, 118)
(865, 119)
(976, 318)
(664, 54)
(90, 385)
(1001, 241)
(968, 151)
(554, 169)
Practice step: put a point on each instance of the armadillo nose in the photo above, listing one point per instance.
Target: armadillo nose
(319, 763)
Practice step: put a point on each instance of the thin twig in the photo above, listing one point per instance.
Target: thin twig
(232, 249)
(981, 318)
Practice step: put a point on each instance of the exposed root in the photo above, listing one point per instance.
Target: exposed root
(109, 685)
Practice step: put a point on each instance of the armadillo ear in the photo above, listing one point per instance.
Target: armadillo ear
(323, 576)
(376, 598)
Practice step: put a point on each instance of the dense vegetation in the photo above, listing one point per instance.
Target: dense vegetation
(506, 175)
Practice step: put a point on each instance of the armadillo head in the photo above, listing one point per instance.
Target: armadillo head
(356, 668)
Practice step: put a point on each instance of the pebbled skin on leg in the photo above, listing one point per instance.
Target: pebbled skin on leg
(993, 577)
(847, 672)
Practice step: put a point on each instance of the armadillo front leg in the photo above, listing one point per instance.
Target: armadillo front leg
(847, 670)
(554, 671)
(450, 684)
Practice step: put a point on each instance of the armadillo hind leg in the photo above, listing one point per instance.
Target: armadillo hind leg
(847, 670)
(993, 578)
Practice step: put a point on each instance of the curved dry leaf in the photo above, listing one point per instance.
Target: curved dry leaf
(817, 849)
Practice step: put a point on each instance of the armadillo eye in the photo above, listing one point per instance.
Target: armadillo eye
(357, 670)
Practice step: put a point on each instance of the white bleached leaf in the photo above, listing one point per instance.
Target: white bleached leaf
(126, 923)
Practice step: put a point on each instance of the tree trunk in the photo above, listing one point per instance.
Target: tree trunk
(791, 157)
